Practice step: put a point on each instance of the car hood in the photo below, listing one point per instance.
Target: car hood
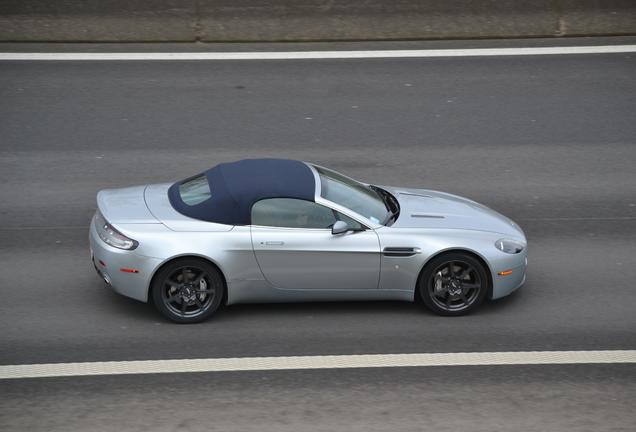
(422, 208)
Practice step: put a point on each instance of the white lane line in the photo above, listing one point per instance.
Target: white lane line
(315, 362)
(299, 55)
(616, 218)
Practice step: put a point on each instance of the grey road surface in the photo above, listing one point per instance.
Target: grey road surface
(549, 141)
(485, 399)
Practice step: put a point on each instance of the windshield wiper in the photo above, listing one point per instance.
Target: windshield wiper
(390, 202)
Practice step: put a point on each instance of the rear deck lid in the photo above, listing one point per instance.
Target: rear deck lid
(125, 206)
(156, 196)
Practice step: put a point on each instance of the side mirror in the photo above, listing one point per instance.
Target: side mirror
(339, 227)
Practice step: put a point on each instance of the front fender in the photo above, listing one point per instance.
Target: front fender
(402, 272)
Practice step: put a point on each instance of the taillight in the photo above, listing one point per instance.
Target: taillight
(111, 236)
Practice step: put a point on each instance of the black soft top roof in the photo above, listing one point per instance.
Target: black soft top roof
(236, 186)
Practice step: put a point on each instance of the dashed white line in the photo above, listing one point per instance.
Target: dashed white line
(315, 362)
(300, 55)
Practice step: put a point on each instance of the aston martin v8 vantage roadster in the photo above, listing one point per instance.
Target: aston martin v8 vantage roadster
(278, 230)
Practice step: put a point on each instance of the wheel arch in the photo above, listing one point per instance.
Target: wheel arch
(167, 261)
(470, 252)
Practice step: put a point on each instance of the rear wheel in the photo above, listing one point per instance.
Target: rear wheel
(453, 284)
(187, 290)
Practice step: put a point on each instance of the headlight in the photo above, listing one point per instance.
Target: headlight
(111, 236)
(509, 246)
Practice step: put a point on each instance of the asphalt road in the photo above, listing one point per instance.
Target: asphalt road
(549, 141)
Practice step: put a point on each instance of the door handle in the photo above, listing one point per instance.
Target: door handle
(273, 243)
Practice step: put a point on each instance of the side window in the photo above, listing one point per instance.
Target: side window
(291, 213)
(353, 224)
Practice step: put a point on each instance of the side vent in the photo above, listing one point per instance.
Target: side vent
(400, 251)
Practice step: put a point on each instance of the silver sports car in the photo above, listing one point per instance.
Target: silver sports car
(277, 230)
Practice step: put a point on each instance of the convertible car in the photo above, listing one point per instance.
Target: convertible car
(278, 230)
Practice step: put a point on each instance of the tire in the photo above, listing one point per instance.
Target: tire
(188, 290)
(453, 284)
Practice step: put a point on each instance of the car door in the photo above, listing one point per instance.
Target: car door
(295, 248)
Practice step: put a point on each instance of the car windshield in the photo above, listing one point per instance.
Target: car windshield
(353, 195)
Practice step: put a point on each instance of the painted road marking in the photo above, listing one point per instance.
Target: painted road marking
(315, 362)
(300, 55)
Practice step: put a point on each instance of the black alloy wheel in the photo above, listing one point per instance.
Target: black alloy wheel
(188, 290)
(453, 284)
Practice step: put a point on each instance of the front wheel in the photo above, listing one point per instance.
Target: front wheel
(188, 290)
(453, 284)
